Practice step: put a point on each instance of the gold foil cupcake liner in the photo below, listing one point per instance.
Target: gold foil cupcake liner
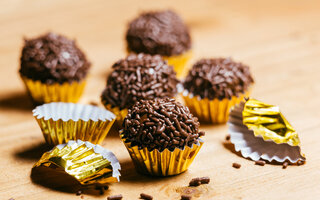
(165, 163)
(61, 122)
(87, 163)
(45, 93)
(256, 143)
(211, 111)
(179, 62)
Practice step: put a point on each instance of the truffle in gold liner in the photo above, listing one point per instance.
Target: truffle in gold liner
(46, 93)
(120, 114)
(260, 131)
(165, 163)
(211, 111)
(61, 122)
(87, 163)
(179, 62)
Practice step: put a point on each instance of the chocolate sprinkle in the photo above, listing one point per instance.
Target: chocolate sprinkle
(185, 197)
(139, 77)
(160, 124)
(285, 165)
(79, 192)
(145, 196)
(218, 78)
(161, 32)
(195, 182)
(115, 197)
(260, 162)
(53, 58)
(205, 180)
(236, 165)
(228, 137)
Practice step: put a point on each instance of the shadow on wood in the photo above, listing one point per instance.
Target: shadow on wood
(33, 153)
(16, 101)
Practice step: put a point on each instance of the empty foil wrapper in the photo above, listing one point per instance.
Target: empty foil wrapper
(260, 131)
(87, 163)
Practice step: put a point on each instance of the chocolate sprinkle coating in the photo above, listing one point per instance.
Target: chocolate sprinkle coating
(218, 78)
(53, 58)
(139, 76)
(160, 32)
(160, 124)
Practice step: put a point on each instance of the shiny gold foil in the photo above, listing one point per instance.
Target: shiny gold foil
(179, 62)
(165, 163)
(87, 163)
(45, 93)
(211, 111)
(121, 114)
(267, 121)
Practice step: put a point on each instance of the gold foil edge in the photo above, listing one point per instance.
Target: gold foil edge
(165, 163)
(45, 93)
(179, 62)
(59, 131)
(87, 163)
(211, 111)
(267, 121)
(121, 114)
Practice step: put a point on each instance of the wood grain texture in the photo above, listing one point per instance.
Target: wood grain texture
(280, 40)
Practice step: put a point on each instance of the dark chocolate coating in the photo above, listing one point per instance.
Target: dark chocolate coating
(139, 77)
(53, 58)
(161, 124)
(218, 78)
(161, 32)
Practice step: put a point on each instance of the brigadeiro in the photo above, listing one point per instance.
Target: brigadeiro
(162, 136)
(138, 76)
(215, 85)
(53, 68)
(163, 33)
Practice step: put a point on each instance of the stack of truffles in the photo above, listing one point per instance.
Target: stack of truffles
(161, 134)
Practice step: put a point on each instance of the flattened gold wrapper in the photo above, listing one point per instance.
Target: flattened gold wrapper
(211, 111)
(179, 62)
(267, 121)
(165, 163)
(121, 114)
(45, 93)
(89, 123)
(87, 163)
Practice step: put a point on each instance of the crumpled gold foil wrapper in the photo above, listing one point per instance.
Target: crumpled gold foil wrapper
(61, 122)
(179, 62)
(87, 163)
(268, 122)
(165, 163)
(121, 114)
(211, 111)
(46, 93)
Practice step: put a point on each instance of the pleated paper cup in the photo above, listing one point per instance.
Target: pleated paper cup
(120, 113)
(87, 163)
(213, 111)
(61, 122)
(165, 163)
(179, 62)
(56, 92)
(256, 147)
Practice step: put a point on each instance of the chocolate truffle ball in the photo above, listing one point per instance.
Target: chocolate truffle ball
(218, 78)
(160, 124)
(53, 58)
(139, 77)
(160, 32)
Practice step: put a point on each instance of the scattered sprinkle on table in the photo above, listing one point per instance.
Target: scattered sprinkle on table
(260, 162)
(115, 197)
(195, 182)
(145, 196)
(236, 165)
(228, 137)
(185, 197)
(79, 192)
(284, 165)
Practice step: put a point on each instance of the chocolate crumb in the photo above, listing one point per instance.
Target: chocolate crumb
(82, 197)
(260, 162)
(285, 165)
(79, 192)
(115, 197)
(145, 196)
(236, 165)
(205, 180)
(228, 137)
(195, 182)
(185, 197)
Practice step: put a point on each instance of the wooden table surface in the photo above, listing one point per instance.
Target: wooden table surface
(280, 40)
